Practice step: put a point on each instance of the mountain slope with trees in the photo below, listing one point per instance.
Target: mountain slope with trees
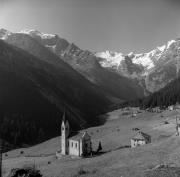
(34, 94)
(169, 95)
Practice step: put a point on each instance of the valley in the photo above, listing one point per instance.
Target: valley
(89, 88)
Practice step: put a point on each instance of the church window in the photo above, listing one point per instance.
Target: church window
(76, 145)
(71, 144)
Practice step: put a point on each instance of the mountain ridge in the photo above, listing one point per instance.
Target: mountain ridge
(85, 62)
(142, 68)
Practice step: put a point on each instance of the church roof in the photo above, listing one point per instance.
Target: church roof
(141, 136)
(79, 136)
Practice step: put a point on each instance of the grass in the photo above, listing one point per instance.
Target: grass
(119, 160)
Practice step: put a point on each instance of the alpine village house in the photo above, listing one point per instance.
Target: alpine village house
(78, 145)
(140, 138)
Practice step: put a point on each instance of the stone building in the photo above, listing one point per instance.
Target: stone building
(77, 145)
(140, 139)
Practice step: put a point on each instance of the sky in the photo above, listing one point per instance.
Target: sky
(98, 25)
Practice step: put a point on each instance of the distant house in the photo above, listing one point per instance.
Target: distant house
(156, 109)
(134, 114)
(140, 139)
(177, 106)
(171, 108)
(77, 145)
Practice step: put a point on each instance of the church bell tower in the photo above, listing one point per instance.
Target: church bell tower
(64, 135)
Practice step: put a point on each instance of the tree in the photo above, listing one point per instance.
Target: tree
(99, 147)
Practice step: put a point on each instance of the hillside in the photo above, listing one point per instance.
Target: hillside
(34, 93)
(117, 159)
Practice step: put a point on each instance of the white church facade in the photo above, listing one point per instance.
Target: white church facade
(77, 145)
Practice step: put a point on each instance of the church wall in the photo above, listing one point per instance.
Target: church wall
(74, 147)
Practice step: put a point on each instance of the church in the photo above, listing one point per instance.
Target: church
(78, 145)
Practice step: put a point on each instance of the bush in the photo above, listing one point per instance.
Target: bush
(166, 122)
(21, 152)
(82, 171)
(25, 172)
(125, 113)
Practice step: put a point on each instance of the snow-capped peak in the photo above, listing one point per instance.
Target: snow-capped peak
(131, 54)
(162, 48)
(145, 59)
(111, 58)
(170, 42)
(36, 32)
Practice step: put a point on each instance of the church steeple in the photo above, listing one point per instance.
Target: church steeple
(64, 135)
(64, 117)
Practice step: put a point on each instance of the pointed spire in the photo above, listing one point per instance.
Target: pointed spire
(64, 117)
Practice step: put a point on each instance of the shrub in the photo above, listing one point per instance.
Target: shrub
(125, 113)
(166, 122)
(25, 172)
(21, 152)
(81, 171)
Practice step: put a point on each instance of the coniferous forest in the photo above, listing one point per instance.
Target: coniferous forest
(169, 95)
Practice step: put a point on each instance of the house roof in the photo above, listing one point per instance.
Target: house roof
(141, 136)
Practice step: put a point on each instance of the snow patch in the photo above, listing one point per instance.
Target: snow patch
(4, 34)
(144, 60)
(162, 48)
(170, 42)
(111, 58)
(42, 35)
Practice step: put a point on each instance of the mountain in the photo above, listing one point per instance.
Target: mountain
(142, 73)
(154, 69)
(114, 72)
(114, 86)
(35, 92)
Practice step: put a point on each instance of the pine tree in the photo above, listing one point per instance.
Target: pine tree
(99, 147)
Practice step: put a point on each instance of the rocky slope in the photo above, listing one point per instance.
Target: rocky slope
(154, 69)
(115, 86)
(150, 71)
